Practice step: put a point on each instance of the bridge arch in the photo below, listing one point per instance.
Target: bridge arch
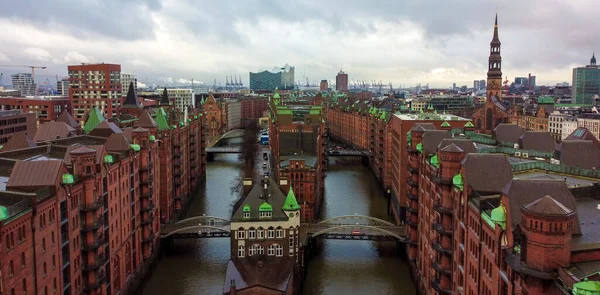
(356, 220)
(198, 228)
(363, 229)
(204, 220)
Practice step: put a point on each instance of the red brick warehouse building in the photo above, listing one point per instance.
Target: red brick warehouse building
(45, 109)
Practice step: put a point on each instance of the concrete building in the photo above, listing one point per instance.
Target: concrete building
(281, 78)
(586, 82)
(265, 234)
(95, 85)
(46, 109)
(234, 114)
(15, 122)
(555, 124)
(341, 81)
(126, 80)
(297, 140)
(24, 83)
(181, 98)
(568, 126)
(324, 86)
(62, 87)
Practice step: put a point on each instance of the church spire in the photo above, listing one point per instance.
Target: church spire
(496, 29)
(164, 100)
(593, 60)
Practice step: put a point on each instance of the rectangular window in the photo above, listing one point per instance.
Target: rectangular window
(279, 233)
(261, 233)
(241, 251)
(246, 214)
(291, 243)
(271, 233)
(251, 234)
(240, 234)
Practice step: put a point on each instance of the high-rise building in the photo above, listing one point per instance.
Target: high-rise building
(522, 81)
(481, 84)
(586, 82)
(24, 83)
(62, 87)
(476, 85)
(324, 85)
(127, 79)
(182, 97)
(95, 85)
(531, 81)
(341, 81)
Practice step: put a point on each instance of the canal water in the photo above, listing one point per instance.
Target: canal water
(336, 267)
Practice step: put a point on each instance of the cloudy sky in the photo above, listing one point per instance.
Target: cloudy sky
(398, 41)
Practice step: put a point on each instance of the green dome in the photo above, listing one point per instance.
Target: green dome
(3, 213)
(246, 208)
(68, 179)
(265, 207)
(586, 287)
(135, 147)
(499, 216)
(446, 124)
(195, 117)
(291, 204)
(108, 159)
(420, 147)
(457, 180)
(152, 138)
(435, 161)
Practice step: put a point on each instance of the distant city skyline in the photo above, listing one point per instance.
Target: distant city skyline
(172, 42)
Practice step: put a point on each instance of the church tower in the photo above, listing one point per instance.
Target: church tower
(494, 74)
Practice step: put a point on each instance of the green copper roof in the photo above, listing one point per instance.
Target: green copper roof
(108, 159)
(545, 99)
(421, 111)
(189, 119)
(265, 207)
(291, 204)
(181, 123)
(195, 117)
(586, 287)
(469, 124)
(135, 147)
(382, 115)
(276, 95)
(499, 216)
(246, 208)
(435, 161)
(203, 101)
(446, 124)
(94, 119)
(420, 147)
(68, 179)
(457, 180)
(435, 111)
(3, 213)
(409, 137)
(152, 138)
(174, 127)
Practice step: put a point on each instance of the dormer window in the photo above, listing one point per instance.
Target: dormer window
(246, 211)
(265, 210)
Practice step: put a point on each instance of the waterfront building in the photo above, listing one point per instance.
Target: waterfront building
(281, 78)
(266, 253)
(24, 83)
(341, 82)
(15, 122)
(126, 80)
(586, 82)
(95, 85)
(46, 109)
(495, 111)
(297, 141)
(216, 115)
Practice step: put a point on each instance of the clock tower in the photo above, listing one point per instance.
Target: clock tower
(494, 74)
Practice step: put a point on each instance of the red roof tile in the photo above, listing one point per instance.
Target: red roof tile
(17, 142)
(35, 174)
(53, 130)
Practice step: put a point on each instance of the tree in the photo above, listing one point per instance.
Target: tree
(247, 156)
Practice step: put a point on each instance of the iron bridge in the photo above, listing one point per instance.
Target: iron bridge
(197, 227)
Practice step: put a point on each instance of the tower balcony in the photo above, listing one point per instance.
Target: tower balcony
(412, 196)
(413, 169)
(146, 195)
(177, 156)
(441, 180)
(411, 223)
(100, 280)
(437, 246)
(98, 262)
(441, 229)
(147, 181)
(148, 208)
(95, 224)
(177, 163)
(92, 206)
(438, 288)
(412, 210)
(440, 269)
(148, 220)
(93, 245)
(412, 183)
(147, 167)
(148, 239)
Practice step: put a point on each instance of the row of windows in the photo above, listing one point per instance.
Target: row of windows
(256, 249)
(261, 232)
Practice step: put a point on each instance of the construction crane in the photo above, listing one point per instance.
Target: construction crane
(32, 72)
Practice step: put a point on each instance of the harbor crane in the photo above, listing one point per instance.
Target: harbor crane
(32, 72)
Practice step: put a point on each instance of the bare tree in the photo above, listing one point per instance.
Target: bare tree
(247, 156)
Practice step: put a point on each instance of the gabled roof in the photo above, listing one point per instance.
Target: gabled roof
(537, 140)
(452, 148)
(547, 205)
(578, 153)
(67, 118)
(105, 129)
(97, 149)
(524, 191)
(164, 99)
(145, 120)
(18, 141)
(117, 142)
(464, 144)
(53, 130)
(256, 197)
(432, 138)
(583, 133)
(131, 100)
(421, 127)
(508, 132)
(487, 172)
(34, 174)
(271, 274)
(161, 120)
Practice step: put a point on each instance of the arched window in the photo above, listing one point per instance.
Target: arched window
(241, 233)
(270, 232)
(280, 232)
(260, 233)
(251, 233)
